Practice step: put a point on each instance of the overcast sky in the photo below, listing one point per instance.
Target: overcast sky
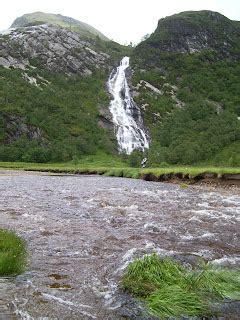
(123, 21)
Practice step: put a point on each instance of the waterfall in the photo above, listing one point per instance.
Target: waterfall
(126, 115)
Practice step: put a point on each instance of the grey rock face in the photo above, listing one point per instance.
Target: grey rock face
(55, 48)
(17, 128)
(105, 119)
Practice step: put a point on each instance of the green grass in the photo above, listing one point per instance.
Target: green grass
(114, 167)
(175, 301)
(193, 171)
(12, 253)
(169, 290)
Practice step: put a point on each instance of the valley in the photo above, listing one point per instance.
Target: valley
(110, 153)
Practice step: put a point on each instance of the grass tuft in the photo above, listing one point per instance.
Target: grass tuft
(217, 282)
(169, 289)
(146, 275)
(184, 185)
(12, 253)
(176, 301)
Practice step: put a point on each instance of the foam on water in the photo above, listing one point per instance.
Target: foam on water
(225, 261)
(206, 235)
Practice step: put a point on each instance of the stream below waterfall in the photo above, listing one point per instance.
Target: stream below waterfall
(82, 231)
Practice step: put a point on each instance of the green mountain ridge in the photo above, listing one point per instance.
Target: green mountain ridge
(184, 77)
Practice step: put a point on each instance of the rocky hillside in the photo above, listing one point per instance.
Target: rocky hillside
(53, 99)
(51, 47)
(191, 32)
(56, 43)
(186, 81)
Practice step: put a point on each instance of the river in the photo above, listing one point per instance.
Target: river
(82, 231)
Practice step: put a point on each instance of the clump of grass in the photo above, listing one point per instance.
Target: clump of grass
(170, 290)
(216, 282)
(176, 301)
(144, 276)
(12, 253)
(114, 173)
(131, 173)
(184, 185)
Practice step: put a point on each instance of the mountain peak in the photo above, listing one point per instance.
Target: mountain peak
(37, 18)
(194, 31)
(194, 19)
(200, 14)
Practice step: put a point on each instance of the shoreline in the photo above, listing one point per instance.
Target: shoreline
(208, 178)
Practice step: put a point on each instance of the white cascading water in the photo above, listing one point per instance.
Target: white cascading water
(126, 115)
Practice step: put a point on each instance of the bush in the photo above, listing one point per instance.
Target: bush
(164, 165)
(38, 154)
(135, 158)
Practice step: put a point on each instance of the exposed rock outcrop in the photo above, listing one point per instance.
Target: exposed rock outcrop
(105, 119)
(17, 128)
(52, 47)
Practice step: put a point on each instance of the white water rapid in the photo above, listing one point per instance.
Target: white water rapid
(126, 115)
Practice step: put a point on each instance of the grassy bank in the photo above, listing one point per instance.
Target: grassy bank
(114, 167)
(169, 290)
(12, 253)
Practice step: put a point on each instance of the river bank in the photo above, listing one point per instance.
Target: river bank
(217, 176)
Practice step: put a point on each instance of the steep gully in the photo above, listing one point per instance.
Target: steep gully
(82, 231)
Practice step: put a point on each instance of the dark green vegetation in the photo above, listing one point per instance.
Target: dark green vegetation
(52, 122)
(12, 253)
(192, 57)
(170, 290)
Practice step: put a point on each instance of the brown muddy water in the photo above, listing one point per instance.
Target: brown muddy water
(82, 231)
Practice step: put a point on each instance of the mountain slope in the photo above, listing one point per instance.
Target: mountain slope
(53, 118)
(53, 101)
(185, 78)
(37, 18)
(192, 59)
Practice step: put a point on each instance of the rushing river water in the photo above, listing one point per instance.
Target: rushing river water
(82, 231)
